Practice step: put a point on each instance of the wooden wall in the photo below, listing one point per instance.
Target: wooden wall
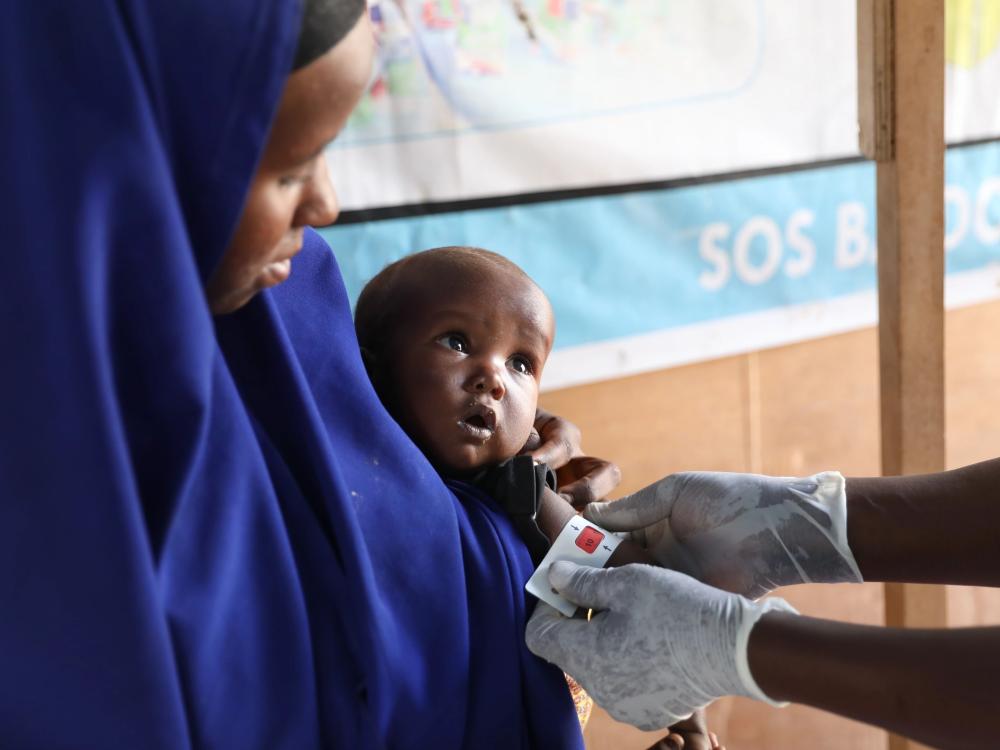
(789, 411)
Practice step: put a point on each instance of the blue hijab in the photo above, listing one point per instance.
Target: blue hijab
(211, 533)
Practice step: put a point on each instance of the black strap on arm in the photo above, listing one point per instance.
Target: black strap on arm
(517, 485)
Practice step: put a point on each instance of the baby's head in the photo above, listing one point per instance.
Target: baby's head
(455, 340)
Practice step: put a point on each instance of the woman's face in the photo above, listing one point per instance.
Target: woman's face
(291, 188)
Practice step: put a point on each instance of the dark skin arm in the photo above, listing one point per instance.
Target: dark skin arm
(936, 686)
(930, 528)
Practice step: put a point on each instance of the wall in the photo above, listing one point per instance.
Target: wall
(791, 410)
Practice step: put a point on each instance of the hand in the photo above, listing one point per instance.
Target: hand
(744, 533)
(582, 479)
(689, 734)
(664, 646)
(554, 440)
(586, 479)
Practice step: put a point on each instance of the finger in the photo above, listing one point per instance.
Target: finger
(533, 442)
(582, 585)
(671, 742)
(597, 483)
(643, 508)
(556, 451)
(693, 731)
(549, 634)
(579, 466)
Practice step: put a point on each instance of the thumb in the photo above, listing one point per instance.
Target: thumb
(638, 510)
(582, 585)
(556, 453)
(554, 637)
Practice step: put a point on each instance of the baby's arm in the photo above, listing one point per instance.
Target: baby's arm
(554, 511)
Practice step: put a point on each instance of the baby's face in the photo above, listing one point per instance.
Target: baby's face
(465, 368)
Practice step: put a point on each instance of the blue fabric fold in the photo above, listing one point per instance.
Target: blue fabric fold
(211, 533)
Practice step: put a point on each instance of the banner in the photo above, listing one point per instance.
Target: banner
(477, 98)
(652, 279)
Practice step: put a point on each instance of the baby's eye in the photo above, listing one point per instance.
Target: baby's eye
(455, 342)
(520, 364)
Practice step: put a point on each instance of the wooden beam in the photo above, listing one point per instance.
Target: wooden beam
(875, 90)
(901, 113)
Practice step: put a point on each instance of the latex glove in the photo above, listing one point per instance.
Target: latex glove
(745, 533)
(664, 646)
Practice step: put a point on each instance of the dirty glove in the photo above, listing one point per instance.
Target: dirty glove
(745, 533)
(664, 645)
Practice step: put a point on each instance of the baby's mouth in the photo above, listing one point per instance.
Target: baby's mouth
(480, 422)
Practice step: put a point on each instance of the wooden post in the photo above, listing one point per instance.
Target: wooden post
(901, 113)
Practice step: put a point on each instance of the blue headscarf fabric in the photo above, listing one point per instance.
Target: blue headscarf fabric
(211, 533)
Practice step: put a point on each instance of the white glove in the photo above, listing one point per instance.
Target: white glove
(665, 645)
(744, 533)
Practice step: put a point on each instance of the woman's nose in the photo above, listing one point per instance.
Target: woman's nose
(319, 206)
(487, 379)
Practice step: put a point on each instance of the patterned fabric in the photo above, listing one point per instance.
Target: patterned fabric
(584, 703)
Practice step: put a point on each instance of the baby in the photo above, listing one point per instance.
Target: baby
(455, 340)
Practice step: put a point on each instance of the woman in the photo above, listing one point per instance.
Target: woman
(211, 533)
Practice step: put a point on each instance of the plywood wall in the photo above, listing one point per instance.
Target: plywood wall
(790, 411)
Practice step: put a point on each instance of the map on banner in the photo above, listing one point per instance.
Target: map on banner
(972, 54)
(476, 98)
(447, 66)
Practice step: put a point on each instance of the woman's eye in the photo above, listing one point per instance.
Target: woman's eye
(520, 364)
(454, 341)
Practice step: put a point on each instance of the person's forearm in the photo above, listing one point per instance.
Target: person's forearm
(932, 528)
(938, 687)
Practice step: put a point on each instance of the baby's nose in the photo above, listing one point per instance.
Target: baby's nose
(489, 380)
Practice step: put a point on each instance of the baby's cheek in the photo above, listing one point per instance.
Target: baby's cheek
(519, 429)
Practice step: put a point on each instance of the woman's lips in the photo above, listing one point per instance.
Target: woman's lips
(276, 272)
(279, 270)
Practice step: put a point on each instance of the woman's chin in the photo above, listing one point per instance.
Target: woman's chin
(232, 300)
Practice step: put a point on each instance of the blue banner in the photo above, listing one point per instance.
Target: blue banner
(622, 265)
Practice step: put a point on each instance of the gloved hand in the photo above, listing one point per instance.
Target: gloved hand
(745, 533)
(664, 646)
